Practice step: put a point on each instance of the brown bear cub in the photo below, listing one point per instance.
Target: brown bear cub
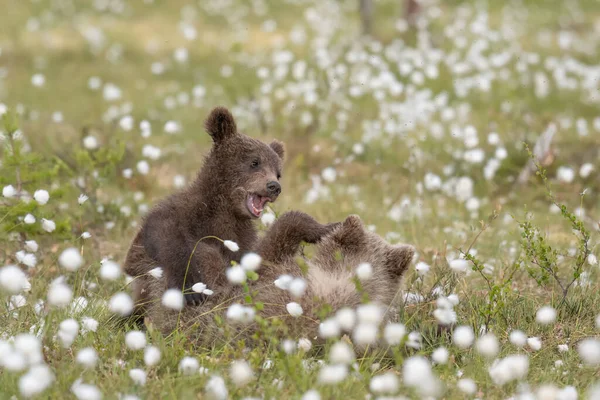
(239, 176)
(329, 281)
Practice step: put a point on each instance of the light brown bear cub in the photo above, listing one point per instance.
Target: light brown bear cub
(329, 280)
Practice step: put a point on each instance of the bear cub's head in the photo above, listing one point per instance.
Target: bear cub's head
(250, 170)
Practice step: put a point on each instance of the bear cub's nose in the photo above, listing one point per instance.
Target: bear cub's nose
(274, 188)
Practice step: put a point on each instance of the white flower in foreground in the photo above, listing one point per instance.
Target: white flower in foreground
(589, 351)
(9, 191)
(440, 355)
(283, 282)
(13, 360)
(189, 366)
(370, 313)
(346, 318)
(332, 374)
(394, 333)
(143, 167)
(48, 225)
(29, 346)
(59, 294)
(592, 260)
(236, 275)
(417, 374)
(82, 199)
(12, 279)
(31, 245)
(545, 315)
(41, 196)
(385, 383)
(518, 338)
(329, 328)
(329, 174)
(151, 356)
(29, 219)
(84, 391)
(467, 386)
(311, 395)
(67, 332)
(70, 259)
(294, 309)
(463, 337)
(267, 218)
(534, 343)
(135, 340)
(173, 299)
(35, 381)
(487, 345)
(562, 348)
(87, 357)
(288, 346)
(90, 142)
(240, 372)
(216, 389)
(233, 246)
(250, 261)
(201, 288)
(297, 287)
(121, 304)
(156, 272)
(86, 235)
(422, 268)
(110, 270)
(239, 313)
(38, 80)
(459, 265)
(89, 324)
(138, 376)
(565, 174)
(365, 334)
(364, 271)
(27, 259)
(341, 353)
(304, 344)
(509, 368)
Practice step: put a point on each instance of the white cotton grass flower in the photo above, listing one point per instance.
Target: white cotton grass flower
(36, 380)
(236, 275)
(518, 338)
(294, 309)
(364, 271)
(215, 389)
(201, 288)
(48, 225)
(370, 313)
(87, 357)
(232, 246)
(440, 355)
(288, 346)
(386, 383)
(82, 199)
(422, 268)
(240, 313)
(459, 265)
(394, 333)
(41, 196)
(29, 219)
(59, 294)
(365, 334)
(86, 235)
(121, 303)
(173, 299)
(189, 366)
(110, 270)
(138, 376)
(534, 343)
(31, 245)
(346, 318)
(562, 348)
(151, 356)
(70, 259)
(592, 260)
(297, 287)
(13, 360)
(89, 325)
(85, 391)
(250, 261)
(156, 272)
(27, 259)
(510, 368)
(67, 332)
(90, 142)
(143, 167)
(9, 191)
(545, 315)
(304, 344)
(30, 346)
(565, 174)
(135, 340)
(332, 374)
(341, 353)
(463, 337)
(329, 174)
(467, 386)
(414, 340)
(589, 351)
(241, 373)
(487, 345)
(12, 279)
(418, 375)
(283, 282)
(329, 328)
(267, 218)
(311, 395)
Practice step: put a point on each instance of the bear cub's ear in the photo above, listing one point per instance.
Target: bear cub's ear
(278, 148)
(220, 124)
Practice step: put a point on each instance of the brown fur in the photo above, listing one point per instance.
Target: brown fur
(215, 204)
(329, 280)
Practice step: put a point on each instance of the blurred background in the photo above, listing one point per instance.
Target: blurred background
(412, 113)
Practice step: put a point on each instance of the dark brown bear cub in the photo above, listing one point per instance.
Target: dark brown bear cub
(239, 176)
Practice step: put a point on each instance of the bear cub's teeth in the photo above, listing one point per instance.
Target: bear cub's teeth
(256, 204)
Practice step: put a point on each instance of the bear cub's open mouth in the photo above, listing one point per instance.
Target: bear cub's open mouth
(256, 203)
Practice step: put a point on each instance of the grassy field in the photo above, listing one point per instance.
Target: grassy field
(422, 131)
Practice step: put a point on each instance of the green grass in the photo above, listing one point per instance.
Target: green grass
(389, 172)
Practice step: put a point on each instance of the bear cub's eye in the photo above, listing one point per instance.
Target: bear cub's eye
(255, 163)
